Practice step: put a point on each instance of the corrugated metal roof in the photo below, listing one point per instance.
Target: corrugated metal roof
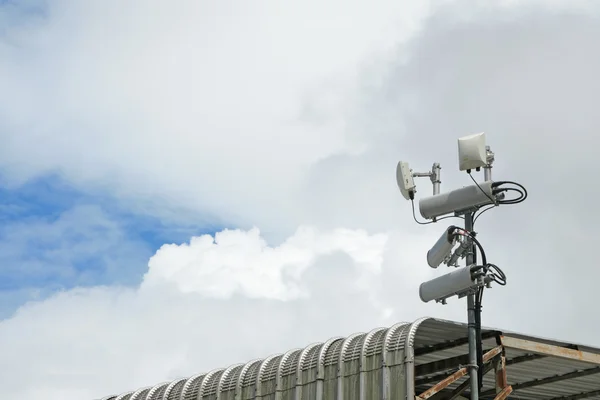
(532, 375)
(362, 366)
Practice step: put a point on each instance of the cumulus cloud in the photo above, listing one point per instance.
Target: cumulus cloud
(237, 262)
(214, 301)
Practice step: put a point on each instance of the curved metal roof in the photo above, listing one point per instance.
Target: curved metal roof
(401, 361)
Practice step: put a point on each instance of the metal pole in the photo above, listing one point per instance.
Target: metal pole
(472, 323)
(435, 178)
(487, 173)
(487, 170)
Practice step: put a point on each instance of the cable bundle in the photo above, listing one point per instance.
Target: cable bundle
(520, 189)
(497, 189)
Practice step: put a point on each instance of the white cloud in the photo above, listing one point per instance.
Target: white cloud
(268, 118)
(276, 116)
(209, 106)
(241, 262)
(213, 301)
(188, 316)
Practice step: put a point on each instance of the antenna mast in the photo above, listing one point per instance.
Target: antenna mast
(468, 281)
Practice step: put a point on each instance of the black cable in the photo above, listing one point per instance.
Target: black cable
(479, 246)
(478, 307)
(429, 222)
(479, 339)
(497, 275)
(500, 183)
(482, 211)
(516, 200)
(497, 188)
(412, 202)
(482, 191)
(522, 191)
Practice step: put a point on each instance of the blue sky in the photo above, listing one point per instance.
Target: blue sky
(55, 237)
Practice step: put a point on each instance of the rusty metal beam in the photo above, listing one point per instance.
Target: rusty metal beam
(457, 375)
(550, 350)
(504, 393)
(492, 353)
(443, 384)
(550, 379)
(438, 377)
(456, 393)
(447, 364)
(500, 380)
(423, 368)
(460, 391)
(433, 378)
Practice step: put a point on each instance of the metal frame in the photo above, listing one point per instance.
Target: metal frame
(496, 359)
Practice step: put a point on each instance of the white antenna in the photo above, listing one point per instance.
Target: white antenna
(405, 175)
(458, 243)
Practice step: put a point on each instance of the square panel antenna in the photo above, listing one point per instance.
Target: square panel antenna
(471, 152)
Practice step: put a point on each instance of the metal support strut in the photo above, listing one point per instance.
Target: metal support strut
(434, 175)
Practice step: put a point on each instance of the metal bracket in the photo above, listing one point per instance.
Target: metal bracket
(434, 175)
(487, 169)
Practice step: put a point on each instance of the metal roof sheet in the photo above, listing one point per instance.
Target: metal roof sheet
(536, 368)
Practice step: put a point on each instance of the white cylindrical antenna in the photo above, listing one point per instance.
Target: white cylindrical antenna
(442, 287)
(442, 249)
(457, 200)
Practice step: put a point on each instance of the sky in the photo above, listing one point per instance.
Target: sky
(186, 185)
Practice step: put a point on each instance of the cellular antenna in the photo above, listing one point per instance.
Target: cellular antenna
(457, 243)
(406, 183)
